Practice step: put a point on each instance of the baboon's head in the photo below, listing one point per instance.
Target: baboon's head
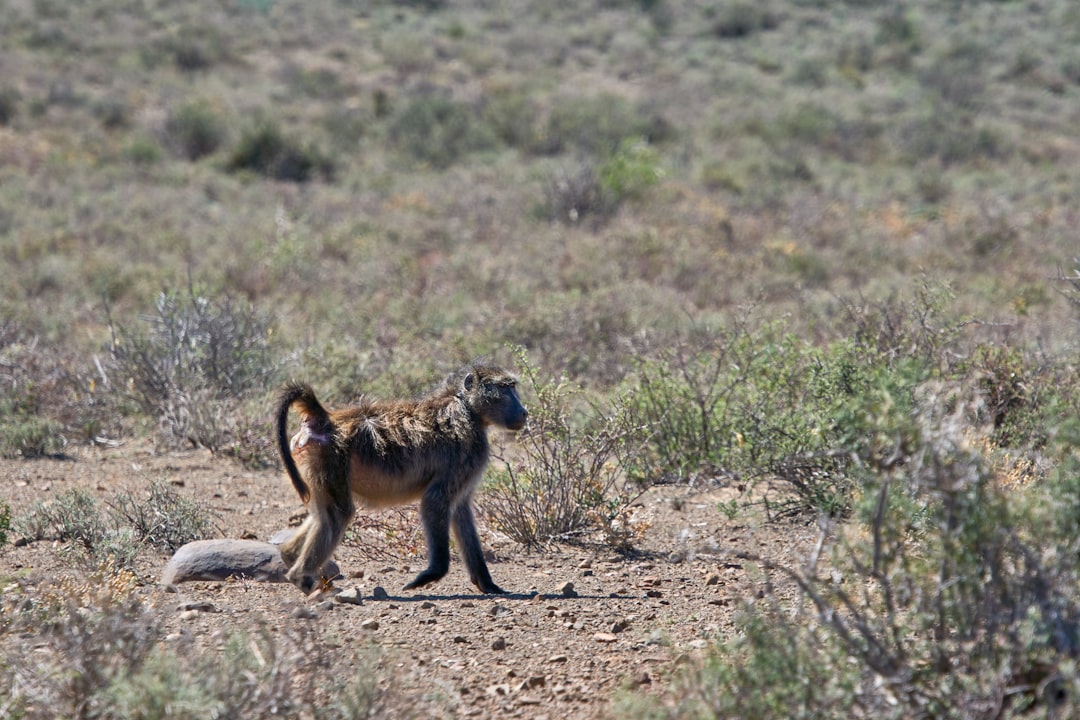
(491, 392)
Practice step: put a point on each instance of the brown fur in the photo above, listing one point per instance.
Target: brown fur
(433, 449)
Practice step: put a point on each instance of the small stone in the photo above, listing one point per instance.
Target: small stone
(325, 606)
(603, 637)
(426, 605)
(657, 637)
(198, 606)
(567, 590)
(712, 579)
(379, 593)
(498, 643)
(22, 542)
(536, 681)
(305, 612)
(558, 659)
(369, 624)
(460, 639)
(352, 596)
(654, 594)
(618, 626)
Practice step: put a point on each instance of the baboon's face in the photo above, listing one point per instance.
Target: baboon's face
(495, 399)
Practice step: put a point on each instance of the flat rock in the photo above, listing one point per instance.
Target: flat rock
(213, 560)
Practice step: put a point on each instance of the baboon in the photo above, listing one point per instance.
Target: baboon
(388, 453)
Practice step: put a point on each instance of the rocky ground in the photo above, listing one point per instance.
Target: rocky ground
(580, 623)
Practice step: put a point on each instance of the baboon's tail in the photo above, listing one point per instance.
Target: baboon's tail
(315, 416)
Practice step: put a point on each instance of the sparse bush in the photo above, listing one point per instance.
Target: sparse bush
(9, 104)
(5, 522)
(266, 150)
(512, 116)
(97, 655)
(190, 362)
(596, 192)
(195, 129)
(570, 197)
(954, 597)
(26, 428)
(597, 125)
(75, 519)
(741, 18)
(439, 131)
(166, 520)
(566, 482)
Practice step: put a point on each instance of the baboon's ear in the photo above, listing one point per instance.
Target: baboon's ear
(469, 381)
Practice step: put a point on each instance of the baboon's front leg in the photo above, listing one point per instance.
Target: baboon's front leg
(435, 514)
(469, 542)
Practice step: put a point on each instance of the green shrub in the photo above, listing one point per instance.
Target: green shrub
(143, 151)
(632, 169)
(195, 129)
(264, 149)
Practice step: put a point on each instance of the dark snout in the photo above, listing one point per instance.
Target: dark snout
(517, 418)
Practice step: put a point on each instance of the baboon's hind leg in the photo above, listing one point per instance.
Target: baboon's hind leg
(310, 548)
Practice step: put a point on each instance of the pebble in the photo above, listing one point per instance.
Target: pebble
(712, 579)
(557, 659)
(369, 624)
(305, 612)
(604, 637)
(567, 590)
(198, 606)
(352, 596)
(379, 593)
(498, 643)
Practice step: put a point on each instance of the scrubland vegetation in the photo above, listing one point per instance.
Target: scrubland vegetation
(822, 249)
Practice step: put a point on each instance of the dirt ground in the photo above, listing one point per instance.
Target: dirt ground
(538, 652)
